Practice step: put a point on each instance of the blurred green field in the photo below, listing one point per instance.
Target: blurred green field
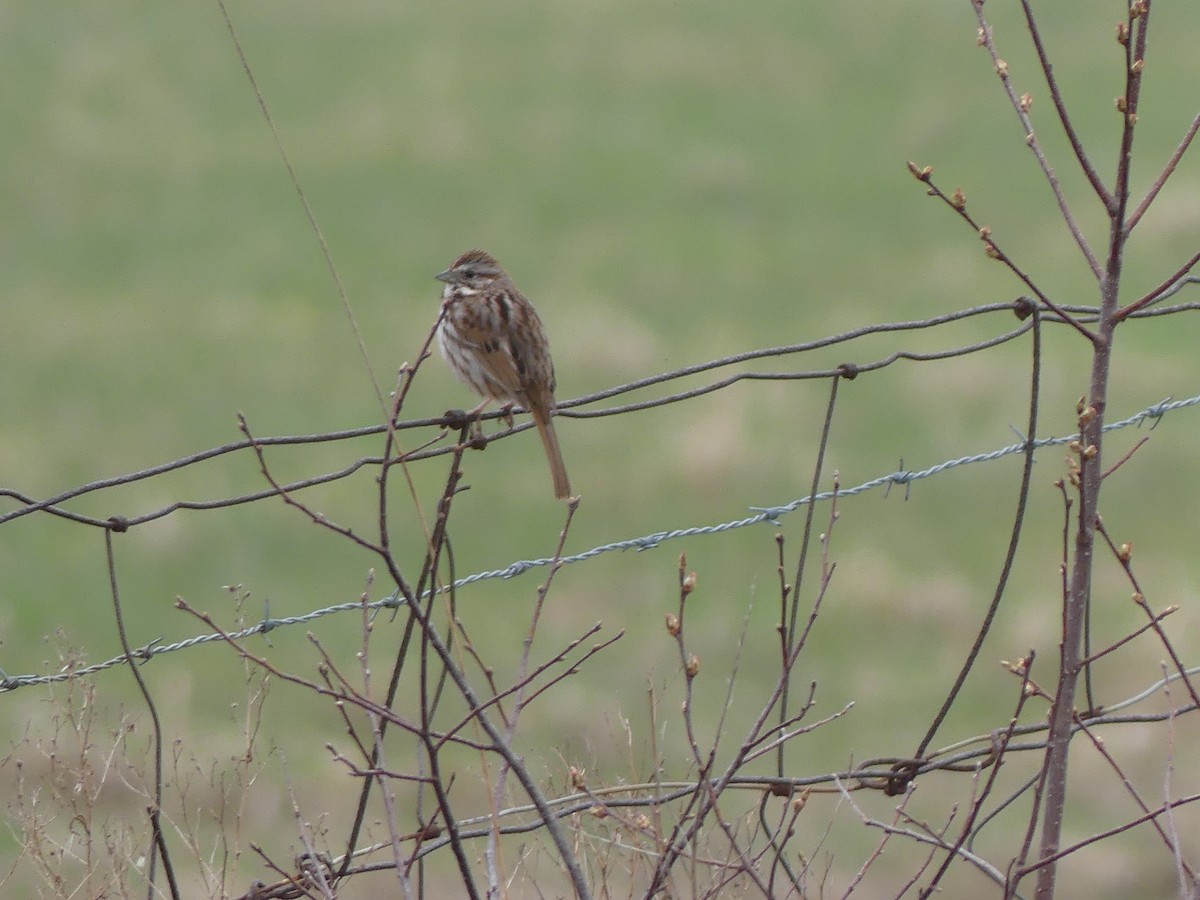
(669, 184)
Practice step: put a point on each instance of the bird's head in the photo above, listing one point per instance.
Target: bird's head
(474, 270)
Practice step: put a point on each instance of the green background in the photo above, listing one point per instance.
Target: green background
(670, 183)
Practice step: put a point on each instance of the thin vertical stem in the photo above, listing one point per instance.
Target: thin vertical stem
(1091, 472)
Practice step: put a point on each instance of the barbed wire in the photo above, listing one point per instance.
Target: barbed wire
(770, 515)
(571, 408)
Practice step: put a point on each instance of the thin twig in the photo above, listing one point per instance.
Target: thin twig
(1031, 140)
(159, 844)
(1014, 539)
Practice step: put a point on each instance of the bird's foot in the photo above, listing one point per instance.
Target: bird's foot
(507, 414)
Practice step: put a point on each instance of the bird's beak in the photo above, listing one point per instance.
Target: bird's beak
(446, 276)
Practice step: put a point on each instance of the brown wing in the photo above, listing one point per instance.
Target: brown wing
(530, 352)
(520, 371)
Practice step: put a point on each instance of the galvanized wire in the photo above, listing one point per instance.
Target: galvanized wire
(770, 515)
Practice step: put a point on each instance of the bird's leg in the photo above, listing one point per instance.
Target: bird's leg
(478, 439)
(506, 414)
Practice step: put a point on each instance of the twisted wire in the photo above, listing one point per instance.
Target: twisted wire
(770, 515)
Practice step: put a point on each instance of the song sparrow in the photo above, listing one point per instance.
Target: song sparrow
(492, 338)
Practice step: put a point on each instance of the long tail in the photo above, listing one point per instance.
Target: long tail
(562, 485)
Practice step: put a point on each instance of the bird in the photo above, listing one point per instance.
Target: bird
(492, 339)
